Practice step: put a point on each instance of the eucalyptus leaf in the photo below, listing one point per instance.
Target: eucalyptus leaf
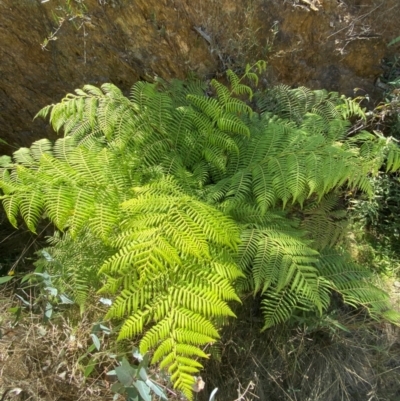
(156, 389)
(65, 300)
(24, 301)
(143, 389)
(48, 312)
(117, 388)
(105, 329)
(394, 41)
(45, 276)
(125, 373)
(47, 256)
(100, 327)
(143, 374)
(96, 341)
(111, 373)
(132, 394)
(52, 291)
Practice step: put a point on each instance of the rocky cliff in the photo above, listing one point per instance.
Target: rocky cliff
(50, 47)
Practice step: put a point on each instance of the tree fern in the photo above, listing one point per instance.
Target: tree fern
(183, 201)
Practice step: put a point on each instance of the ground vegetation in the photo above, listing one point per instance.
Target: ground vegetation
(186, 204)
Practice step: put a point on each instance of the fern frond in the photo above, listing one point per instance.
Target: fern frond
(84, 208)
(209, 106)
(31, 207)
(237, 87)
(353, 282)
(179, 279)
(230, 123)
(44, 112)
(325, 221)
(40, 148)
(59, 205)
(23, 156)
(63, 147)
(277, 307)
(11, 204)
(105, 218)
(182, 312)
(56, 171)
(350, 107)
(393, 157)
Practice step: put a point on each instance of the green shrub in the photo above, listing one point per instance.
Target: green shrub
(184, 202)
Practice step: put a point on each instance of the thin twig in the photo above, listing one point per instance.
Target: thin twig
(249, 387)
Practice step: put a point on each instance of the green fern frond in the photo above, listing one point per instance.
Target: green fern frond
(393, 157)
(350, 107)
(141, 93)
(325, 222)
(106, 217)
(31, 207)
(44, 112)
(185, 214)
(230, 123)
(40, 148)
(353, 282)
(237, 87)
(180, 284)
(59, 205)
(84, 208)
(11, 204)
(183, 202)
(278, 307)
(237, 107)
(234, 80)
(63, 147)
(182, 312)
(23, 156)
(178, 90)
(209, 106)
(54, 170)
(223, 92)
(296, 104)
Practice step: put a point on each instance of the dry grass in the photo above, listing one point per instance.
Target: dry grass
(47, 361)
(324, 363)
(319, 363)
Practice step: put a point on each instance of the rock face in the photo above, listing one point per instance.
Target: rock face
(50, 47)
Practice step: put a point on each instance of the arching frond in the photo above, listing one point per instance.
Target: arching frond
(183, 201)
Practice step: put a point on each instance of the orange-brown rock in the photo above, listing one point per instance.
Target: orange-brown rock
(50, 47)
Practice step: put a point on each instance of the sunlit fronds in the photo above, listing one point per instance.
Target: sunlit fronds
(185, 196)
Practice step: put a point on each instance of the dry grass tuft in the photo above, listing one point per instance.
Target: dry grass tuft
(323, 363)
(47, 360)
